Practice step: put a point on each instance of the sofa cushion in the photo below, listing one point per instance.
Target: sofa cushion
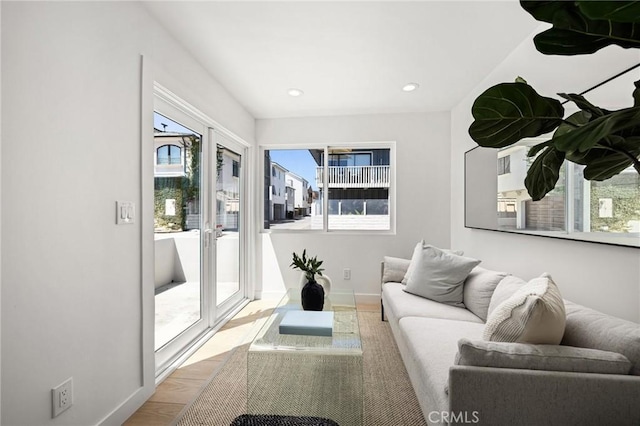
(478, 289)
(504, 290)
(533, 314)
(432, 344)
(402, 304)
(481, 353)
(394, 269)
(589, 328)
(439, 275)
(417, 253)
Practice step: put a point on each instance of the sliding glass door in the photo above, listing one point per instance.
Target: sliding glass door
(199, 231)
(229, 214)
(181, 217)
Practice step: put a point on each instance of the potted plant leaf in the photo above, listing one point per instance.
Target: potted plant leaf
(605, 142)
(312, 294)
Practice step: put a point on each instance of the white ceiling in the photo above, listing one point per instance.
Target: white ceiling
(347, 57)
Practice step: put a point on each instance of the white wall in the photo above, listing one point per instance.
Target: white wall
(601, 276)
(422, 174)
(71, 279)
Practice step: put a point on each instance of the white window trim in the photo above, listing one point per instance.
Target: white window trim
(391, 145)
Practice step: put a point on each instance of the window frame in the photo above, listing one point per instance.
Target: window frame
(504, 165)
(372, 145)
(169, 147)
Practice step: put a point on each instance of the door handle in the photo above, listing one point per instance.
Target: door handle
(208, 232)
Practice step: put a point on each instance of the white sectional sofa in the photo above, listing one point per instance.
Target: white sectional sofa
(591, 378)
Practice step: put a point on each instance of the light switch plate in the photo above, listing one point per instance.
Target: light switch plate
(125, 212)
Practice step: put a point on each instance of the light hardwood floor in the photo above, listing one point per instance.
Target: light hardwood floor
(186, 383)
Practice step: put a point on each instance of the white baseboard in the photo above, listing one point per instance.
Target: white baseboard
(368, 298)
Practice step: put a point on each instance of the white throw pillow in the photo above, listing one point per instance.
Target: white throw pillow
(438, 275)
(417, 254)
(533, 314)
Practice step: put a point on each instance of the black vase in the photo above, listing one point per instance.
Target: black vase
(312, 296)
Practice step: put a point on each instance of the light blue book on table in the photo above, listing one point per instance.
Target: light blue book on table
(309, 323)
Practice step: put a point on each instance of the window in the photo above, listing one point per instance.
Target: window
(169, 154)
(504, 165)
(235, 168)
(356, 183)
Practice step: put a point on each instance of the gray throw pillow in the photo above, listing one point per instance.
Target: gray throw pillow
(478, 289)
(438, 275)
(417, 253)
(481, 353)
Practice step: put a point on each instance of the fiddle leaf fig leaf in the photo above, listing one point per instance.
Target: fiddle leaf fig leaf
(618, 11)
(585, 137)
(574, 121)
(544, 172)
(534, 150)
(557, 41)
(542, 10)
(636, 94)
(575, 33)
(582, 103)
(508, 112)
(605, 161)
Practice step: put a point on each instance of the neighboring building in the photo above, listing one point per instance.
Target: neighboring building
(227, 189)
(302, 200)
(278, 192)
(289, 200)
(358, 187)
(169, 156)
(176, 185)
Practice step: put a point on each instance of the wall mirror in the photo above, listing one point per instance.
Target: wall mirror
(604, 212)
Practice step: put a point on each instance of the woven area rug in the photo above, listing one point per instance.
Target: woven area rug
(389, 399)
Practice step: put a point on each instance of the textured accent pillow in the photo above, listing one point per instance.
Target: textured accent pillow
(533, 314)
(478, 289)
(504, 290)
(417, 253)
(438, 275)
(481, 353)
(394, 269)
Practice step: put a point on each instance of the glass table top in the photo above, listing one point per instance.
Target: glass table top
(346, 331)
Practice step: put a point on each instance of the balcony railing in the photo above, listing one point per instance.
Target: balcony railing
(354, 176)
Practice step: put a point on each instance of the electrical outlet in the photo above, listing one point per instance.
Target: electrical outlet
(62, 397)
(346, 273)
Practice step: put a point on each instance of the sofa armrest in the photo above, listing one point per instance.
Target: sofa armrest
(382, 316)
(503, 396)
(392, 269)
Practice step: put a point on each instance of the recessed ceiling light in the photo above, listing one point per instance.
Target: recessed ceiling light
(295, 92)
(410, 87)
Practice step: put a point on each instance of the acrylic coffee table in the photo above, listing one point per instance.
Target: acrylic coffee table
(299, 375)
